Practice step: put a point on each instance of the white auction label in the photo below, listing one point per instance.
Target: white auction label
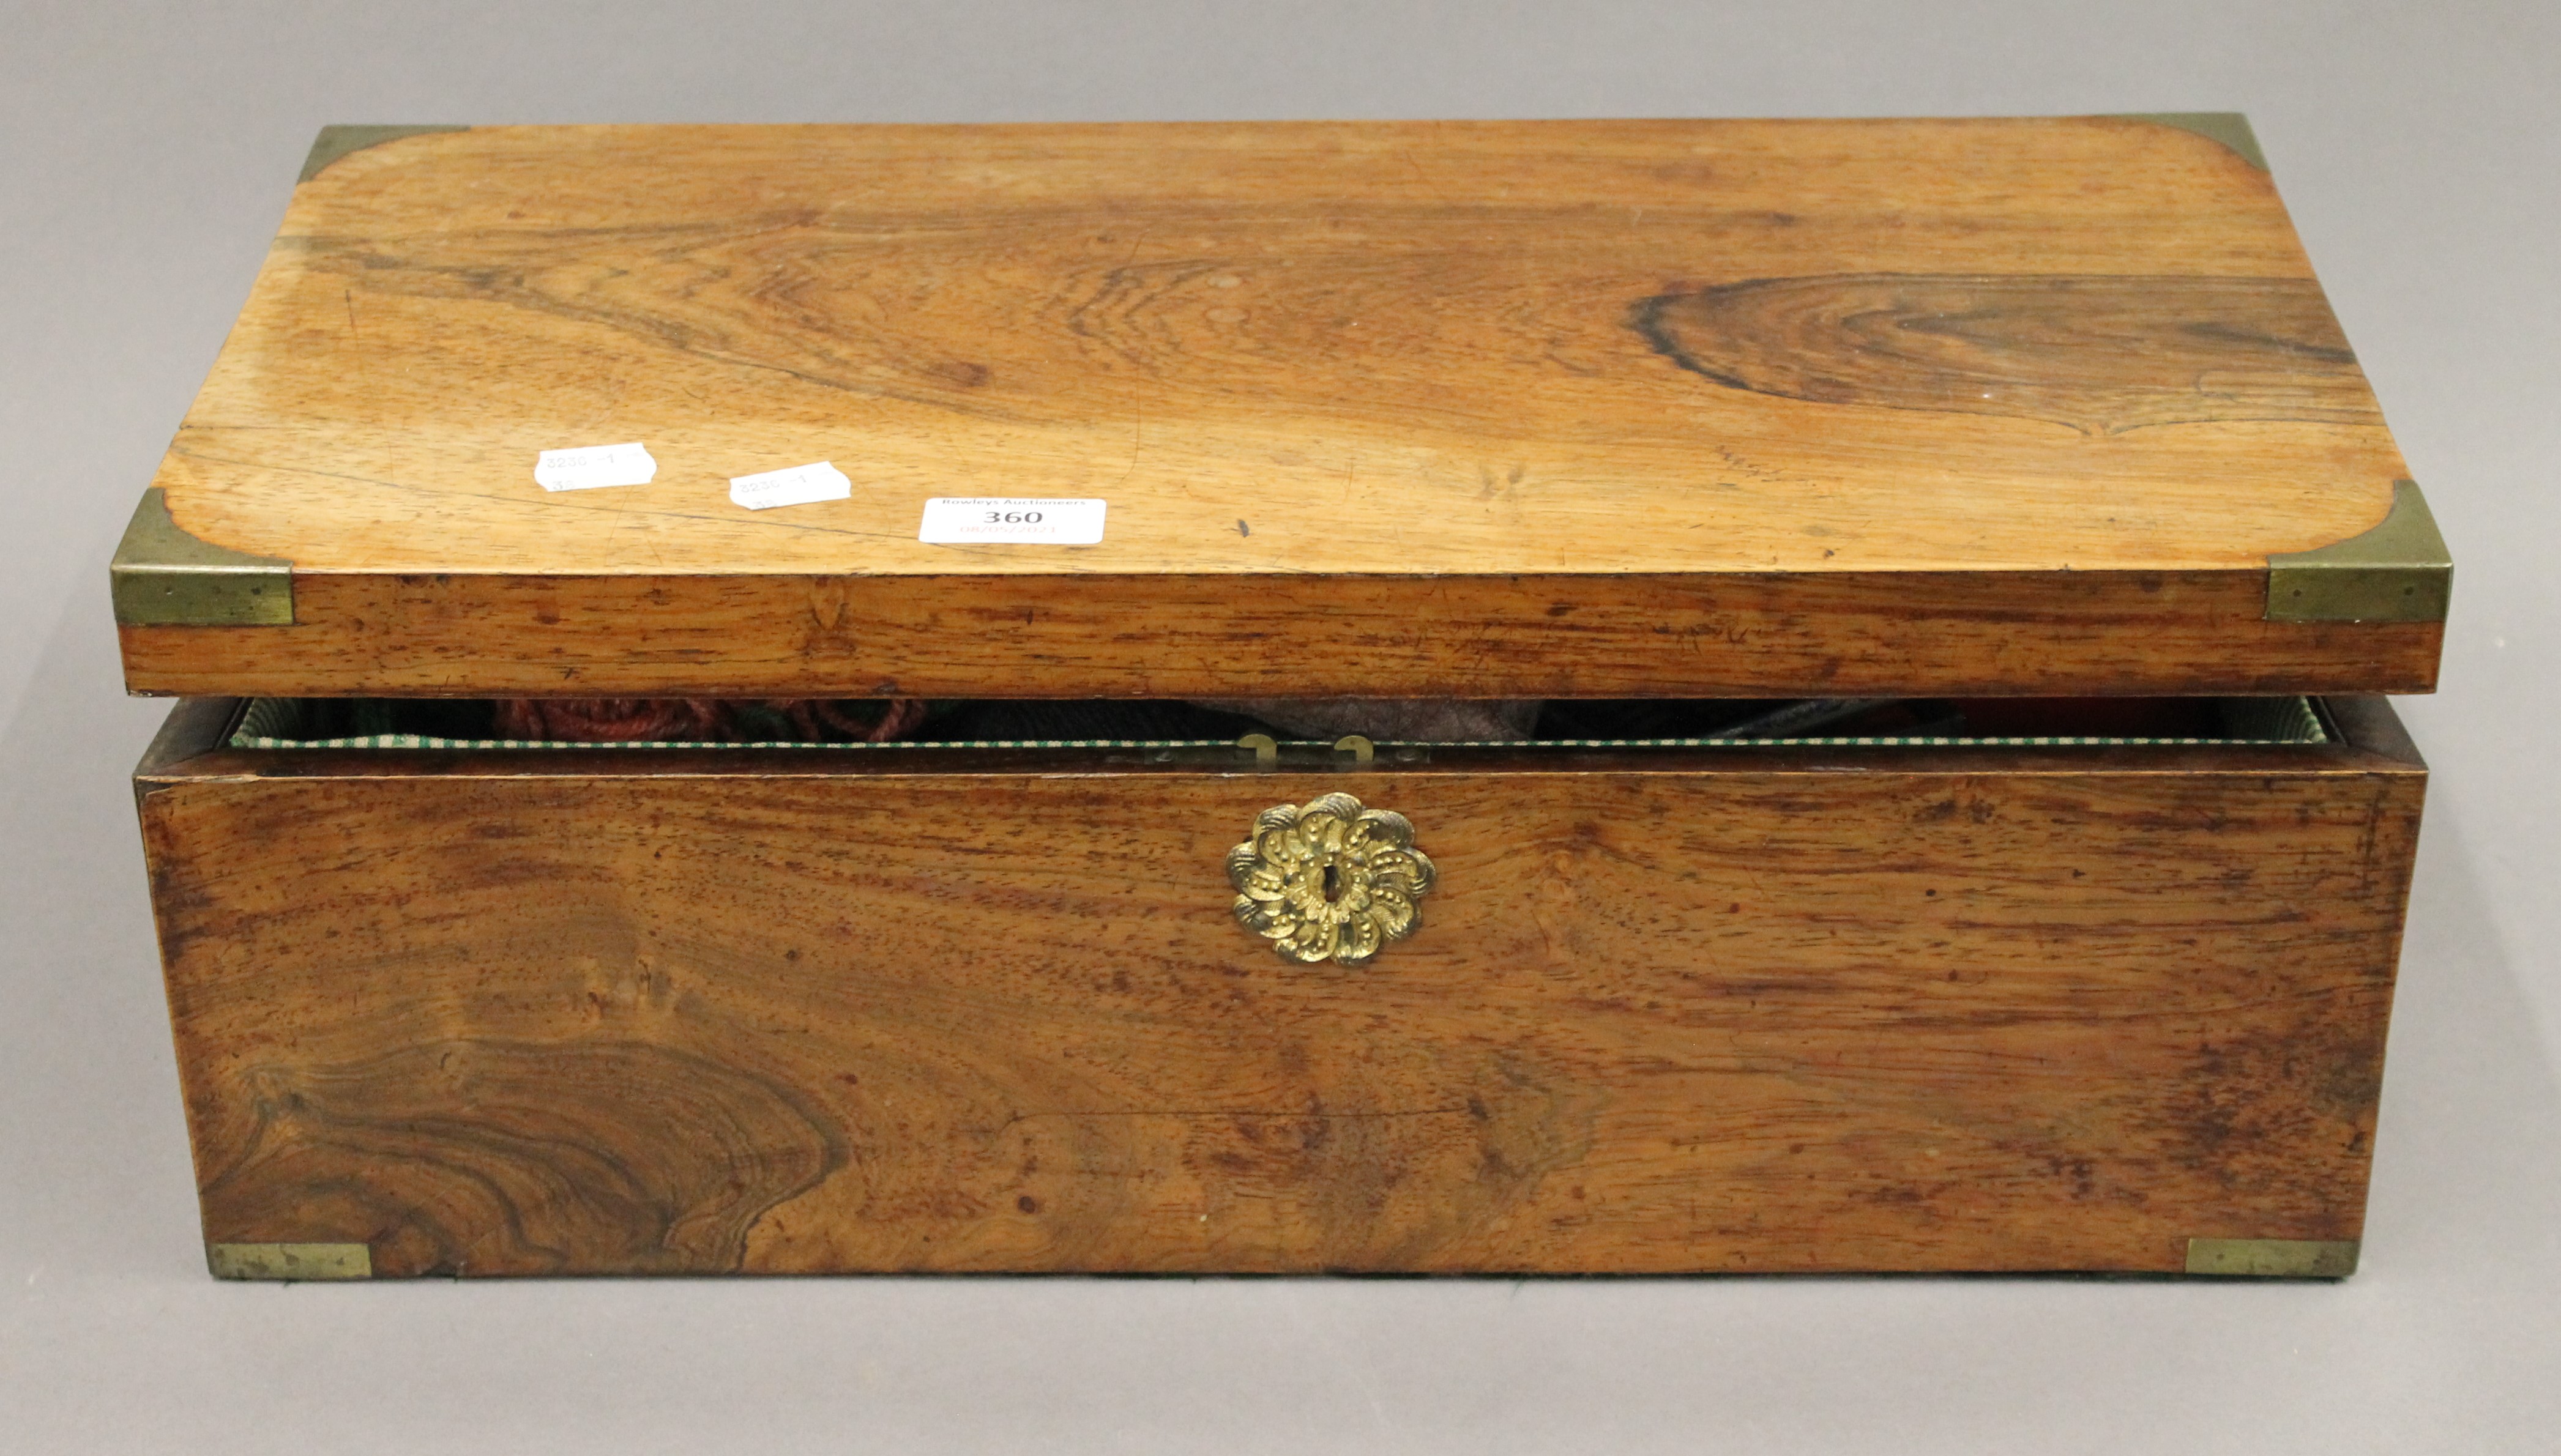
(798, 486)
(589, 466)
(969, 519)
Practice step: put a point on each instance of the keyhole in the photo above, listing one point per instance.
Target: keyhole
(1333, 884)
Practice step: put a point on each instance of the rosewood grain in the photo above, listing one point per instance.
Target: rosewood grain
(2102, 355)
(1927, 1010)
(2078, 634)
(1435, 361)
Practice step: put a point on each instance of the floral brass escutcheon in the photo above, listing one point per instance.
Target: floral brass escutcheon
(1329, 879)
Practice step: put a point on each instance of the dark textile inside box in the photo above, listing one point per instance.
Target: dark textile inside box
(463, 723)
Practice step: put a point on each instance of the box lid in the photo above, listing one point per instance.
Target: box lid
(1558, 408)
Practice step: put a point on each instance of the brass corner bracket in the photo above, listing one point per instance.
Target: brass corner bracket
(2274, 1259)
(334, 143)
(2398, 572)
(2228, 127)
(164, 577)
(289, 1260)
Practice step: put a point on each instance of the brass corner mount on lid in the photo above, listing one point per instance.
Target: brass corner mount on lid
(334, 143)
(2228, 127)
(164, 577)
(2397, 571)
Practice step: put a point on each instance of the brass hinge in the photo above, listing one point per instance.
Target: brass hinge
(2398, 572)
(2274, 1259)
(1349, 751)
(164, 577)
(289, 1260)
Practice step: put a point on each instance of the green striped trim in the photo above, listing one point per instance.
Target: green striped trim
(2257, 721)
(244, 739)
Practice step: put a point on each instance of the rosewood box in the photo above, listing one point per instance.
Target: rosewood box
(1595, 696)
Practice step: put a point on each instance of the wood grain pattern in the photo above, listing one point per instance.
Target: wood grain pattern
(779, 1013)
(617, 1155)
(2102, 355)
(1438, 356)
(2068, 633)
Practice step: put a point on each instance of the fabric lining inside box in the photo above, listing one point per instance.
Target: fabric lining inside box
(301, 722)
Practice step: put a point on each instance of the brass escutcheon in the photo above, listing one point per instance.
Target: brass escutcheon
(1329, 880)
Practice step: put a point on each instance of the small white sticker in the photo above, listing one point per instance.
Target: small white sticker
(592, 465)
(971, 520)
(799, 486)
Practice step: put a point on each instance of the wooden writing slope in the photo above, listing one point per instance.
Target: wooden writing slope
(1496, 409)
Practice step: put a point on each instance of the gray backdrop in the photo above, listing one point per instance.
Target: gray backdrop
(148, 153)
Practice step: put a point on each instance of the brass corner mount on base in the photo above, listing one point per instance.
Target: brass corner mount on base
(164, 577)
(2398, 572)
(2273, 1259)
(289, 1260)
